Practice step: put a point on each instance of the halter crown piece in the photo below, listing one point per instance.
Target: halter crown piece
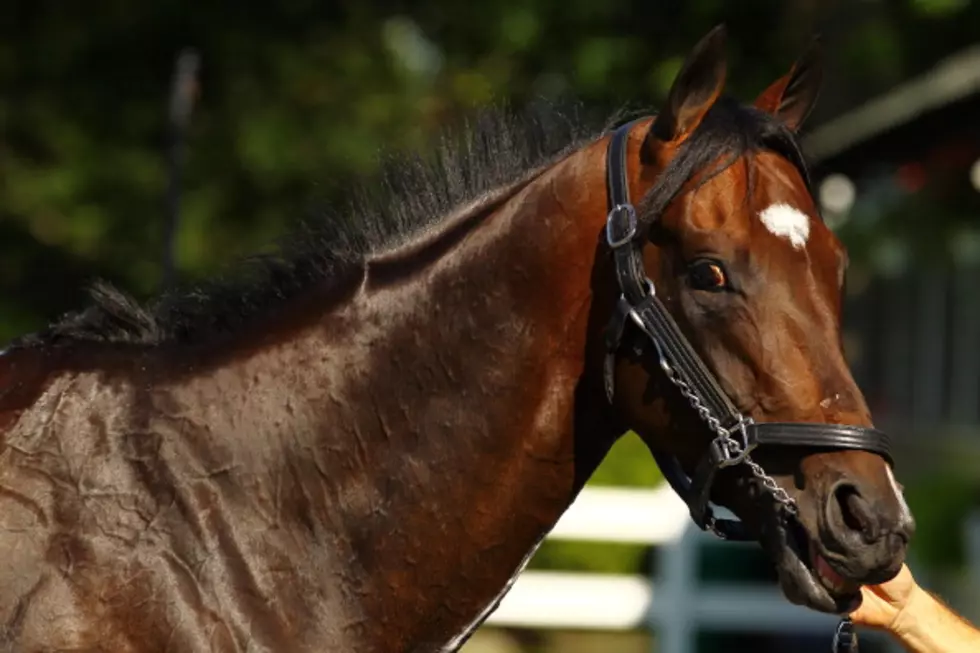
(735, 436)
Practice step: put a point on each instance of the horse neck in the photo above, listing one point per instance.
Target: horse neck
(434, 416)
(405, 448)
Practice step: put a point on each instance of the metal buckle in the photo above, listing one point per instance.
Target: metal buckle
(631, 225)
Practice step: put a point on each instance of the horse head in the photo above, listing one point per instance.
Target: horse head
(725, 353)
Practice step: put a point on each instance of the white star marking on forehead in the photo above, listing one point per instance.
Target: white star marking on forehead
(786, 222)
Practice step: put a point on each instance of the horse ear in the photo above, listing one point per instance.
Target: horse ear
(696, 87)
(791, 97)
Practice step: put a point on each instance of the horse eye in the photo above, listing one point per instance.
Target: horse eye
(707, 275)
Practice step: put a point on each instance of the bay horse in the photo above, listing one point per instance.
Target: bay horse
(356, 444)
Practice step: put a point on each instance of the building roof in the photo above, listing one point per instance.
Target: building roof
(948, 96)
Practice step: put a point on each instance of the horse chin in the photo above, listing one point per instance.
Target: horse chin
(804, 577)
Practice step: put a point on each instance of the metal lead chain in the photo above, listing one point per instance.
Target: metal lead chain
(778, 493)
(725, 436)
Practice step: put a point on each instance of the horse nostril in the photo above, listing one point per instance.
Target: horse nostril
(856, 512)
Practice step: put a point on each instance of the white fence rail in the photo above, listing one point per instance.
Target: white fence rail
(542, 599)
(549, 599)
(672, 603)
(638, 516)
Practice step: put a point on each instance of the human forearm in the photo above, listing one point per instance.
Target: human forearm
(926, 625)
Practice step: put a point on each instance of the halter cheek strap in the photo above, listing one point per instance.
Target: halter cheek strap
(735, 436)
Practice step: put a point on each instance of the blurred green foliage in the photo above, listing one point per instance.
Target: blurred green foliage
(940, 503)
(298, 97)
(628, 464)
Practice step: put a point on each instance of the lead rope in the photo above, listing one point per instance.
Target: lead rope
(845, 639)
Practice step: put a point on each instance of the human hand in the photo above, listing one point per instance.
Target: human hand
(916, 618)
(883, 605)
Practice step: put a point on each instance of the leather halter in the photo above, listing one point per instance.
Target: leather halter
(735, 435)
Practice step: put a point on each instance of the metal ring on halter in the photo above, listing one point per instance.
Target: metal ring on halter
(637, 320)
(661, 355)
(711, 524)
(744, 447)
(734, 455)
(845, 639)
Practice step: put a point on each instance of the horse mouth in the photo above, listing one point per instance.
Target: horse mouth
(806, 576)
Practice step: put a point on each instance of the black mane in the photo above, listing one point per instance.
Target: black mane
(412, 192)
(494, 149)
